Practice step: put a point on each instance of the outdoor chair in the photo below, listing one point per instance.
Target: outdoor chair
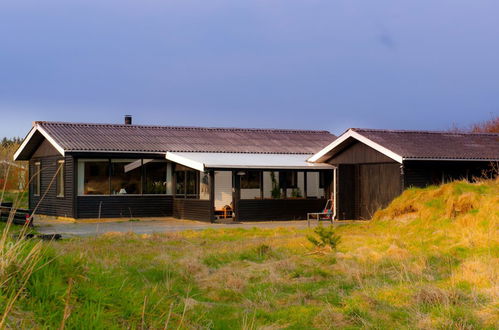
(326, 214)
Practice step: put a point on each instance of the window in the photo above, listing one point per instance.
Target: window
(251, 180)
(288, 179)
(126, 176)
(95, 177)
(322, 179)
(36, 179)
(155, 180)
(123, 176)
(191, 183)
(186, 182)
(180, 180)
(60, 179)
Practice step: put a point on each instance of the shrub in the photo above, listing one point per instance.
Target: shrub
(326, 237)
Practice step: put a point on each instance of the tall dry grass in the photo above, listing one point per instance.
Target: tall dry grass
(19, 257)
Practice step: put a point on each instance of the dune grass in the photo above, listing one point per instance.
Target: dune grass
(430, 260)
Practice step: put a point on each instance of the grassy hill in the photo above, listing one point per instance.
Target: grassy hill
(430, 260)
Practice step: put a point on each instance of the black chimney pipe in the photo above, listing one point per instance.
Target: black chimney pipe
(128, 120)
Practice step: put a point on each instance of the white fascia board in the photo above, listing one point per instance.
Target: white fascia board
(315, 158)
(184, 161)
(378, 147)
(51, 140)
(46, 135)
(352, 134)
(25, 142)
(264, 167)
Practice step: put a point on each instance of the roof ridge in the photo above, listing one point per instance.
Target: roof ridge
(420, 131)
(274, 130)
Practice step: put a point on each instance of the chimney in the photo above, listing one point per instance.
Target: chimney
(128, 120)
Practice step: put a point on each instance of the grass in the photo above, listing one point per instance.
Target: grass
(430, 260)
(13, 196)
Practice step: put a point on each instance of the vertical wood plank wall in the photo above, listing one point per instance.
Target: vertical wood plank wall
(50, 204)
(192, 209)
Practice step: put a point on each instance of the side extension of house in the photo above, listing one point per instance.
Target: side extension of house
(375, 166)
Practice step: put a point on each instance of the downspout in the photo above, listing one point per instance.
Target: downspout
(335, 171)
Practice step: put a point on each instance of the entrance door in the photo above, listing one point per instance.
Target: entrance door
(223, 189)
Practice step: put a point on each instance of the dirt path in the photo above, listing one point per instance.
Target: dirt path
(69, 229)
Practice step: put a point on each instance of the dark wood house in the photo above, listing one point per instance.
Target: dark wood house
(375, 166)
(103, 170)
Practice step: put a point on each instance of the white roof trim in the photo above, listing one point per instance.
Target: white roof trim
(25, 142)
(318, 157)
(203, 160)
(46, 135)
(51, 140)
(174, 157)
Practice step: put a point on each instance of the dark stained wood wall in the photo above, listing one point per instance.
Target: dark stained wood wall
(425, 173)
(124, 206)
(378, 185)
(50, 204)
(347, 198)
(359, 153)
(192, 209)
(45, 149)
(278, 209)
(367, 181)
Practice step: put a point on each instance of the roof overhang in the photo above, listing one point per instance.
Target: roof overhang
(338, 145)
(34, 137)
(202, 161)
(452, 159)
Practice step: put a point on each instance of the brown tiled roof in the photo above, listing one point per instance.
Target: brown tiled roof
(436, 145)
(76, 137)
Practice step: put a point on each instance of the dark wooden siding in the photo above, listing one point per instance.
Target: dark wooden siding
(192, 209)
(425, 173)
(365, 188)
(347, 201)
(124, 206)
(378, 185)
(278, 209)
(367, 181)
(45, 149)
(359, 153)
(50, 204)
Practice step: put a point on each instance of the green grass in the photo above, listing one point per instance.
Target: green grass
(12, 196)
(422, 263)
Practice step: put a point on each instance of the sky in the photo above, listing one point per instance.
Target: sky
(310, 64)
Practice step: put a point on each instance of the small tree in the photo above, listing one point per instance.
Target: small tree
(326, 237)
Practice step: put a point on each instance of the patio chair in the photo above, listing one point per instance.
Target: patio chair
(326, 214)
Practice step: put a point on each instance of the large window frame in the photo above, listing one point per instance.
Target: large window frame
(36, 178)
(184, 178)
(251, 180)
(123, 182)
(60, 179)
(288, 179)
(81, 180)
(148, 185)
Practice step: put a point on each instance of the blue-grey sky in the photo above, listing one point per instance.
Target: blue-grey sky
(313, 64)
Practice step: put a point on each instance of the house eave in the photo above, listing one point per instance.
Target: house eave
(325, 153)
(36, 128)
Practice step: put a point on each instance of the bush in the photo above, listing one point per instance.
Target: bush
(326, 237)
